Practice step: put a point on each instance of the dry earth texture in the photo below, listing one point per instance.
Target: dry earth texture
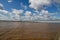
(28, 31)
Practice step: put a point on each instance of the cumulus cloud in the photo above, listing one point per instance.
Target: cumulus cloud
(4, 11)
(16, 15)
(36, 4)
(10, 0)
(27, 16)
(46, 15)
(1, 6)
(17, 12)
(23, 6)
(43, 15)
(28, 13)
(3, 17)
(57, 1)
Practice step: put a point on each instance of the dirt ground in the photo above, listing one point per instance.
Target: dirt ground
(28, 31)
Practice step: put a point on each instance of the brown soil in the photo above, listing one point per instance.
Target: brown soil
(28, 31)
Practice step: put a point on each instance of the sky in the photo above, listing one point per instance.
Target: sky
(29, 10)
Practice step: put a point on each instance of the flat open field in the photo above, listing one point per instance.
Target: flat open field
(28, 31)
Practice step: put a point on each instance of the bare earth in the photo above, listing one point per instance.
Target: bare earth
(28, 31)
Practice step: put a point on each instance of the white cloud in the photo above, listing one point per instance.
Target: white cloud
(14, 15)
(36, 4)
(4, 17)
(4, 11)
(44, 11)
(57, 1)
(9, 0)
(17, 12)
(45, 14)
(23, 6)
(1, 6)
(27, 16)
(28, 13)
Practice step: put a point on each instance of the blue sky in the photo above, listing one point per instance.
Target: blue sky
(16, 4)
(45, 9)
